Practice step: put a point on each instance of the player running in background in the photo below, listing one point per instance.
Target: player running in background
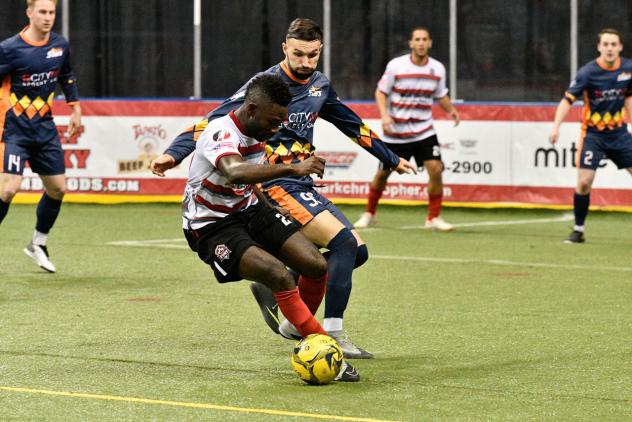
(240, 235)
(605, 85)
(31, 64)
(404, 97)
(312, 96)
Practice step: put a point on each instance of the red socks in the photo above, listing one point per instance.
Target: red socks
(374, 197)
(297, 312)
(434, 205)
(312, 291)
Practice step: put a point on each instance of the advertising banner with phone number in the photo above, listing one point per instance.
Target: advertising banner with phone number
(498, 156)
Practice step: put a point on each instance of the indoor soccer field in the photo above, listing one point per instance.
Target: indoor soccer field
(498, 320)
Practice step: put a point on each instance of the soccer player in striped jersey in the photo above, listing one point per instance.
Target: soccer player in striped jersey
(605, 85)
(231, 225)
(322, 222)
(404, 97)
(32, 63)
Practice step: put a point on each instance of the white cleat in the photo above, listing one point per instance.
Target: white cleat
(39, 254)
(366, 220)
(289, 331)
(439, 224)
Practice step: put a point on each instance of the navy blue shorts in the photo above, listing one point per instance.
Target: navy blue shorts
(594, 147)
(302, 200)
(46, 158)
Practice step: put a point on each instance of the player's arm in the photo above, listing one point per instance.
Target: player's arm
(238, 171)
(381, 100)
(178, 150)
(68, 83)
(5, 64)
(560, 114)
(349, 123)
(447, 105)
(576, 88)
(628, 106)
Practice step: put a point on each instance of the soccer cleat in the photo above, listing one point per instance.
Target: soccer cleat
(347, 373)
(267, 304)
(439, 223)
(350, 350)
(575, 237)
(287, 330)
(366, 219)
(39, 254)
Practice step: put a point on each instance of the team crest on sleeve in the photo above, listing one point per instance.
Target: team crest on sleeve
(221, 135)
(222, 252)
(624, 76)
(314, 91)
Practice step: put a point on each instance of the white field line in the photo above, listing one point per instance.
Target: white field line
(165, 243)
(565, 217)
(501, 263)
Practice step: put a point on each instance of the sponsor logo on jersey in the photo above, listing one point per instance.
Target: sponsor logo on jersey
(39, 79)
(222, 252)
(54, 52)
(314, 91)
(624, 76)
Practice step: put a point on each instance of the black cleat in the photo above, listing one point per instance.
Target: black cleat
(347, 373)
(267, 304)
(575, 237)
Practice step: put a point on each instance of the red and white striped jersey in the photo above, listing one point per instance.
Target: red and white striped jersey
(411, 90)
(208, 195)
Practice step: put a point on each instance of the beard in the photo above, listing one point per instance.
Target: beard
(298, 75)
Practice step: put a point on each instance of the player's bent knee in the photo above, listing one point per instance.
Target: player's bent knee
(362, 256)
(7, 195)
(56, 193)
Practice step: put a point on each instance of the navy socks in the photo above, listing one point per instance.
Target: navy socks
(47, 212)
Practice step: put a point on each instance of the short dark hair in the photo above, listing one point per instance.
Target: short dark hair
(269, 88)
(609, 31)
(419, 28)
(305, 30)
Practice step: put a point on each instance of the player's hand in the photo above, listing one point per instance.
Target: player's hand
(285, 213)
(404, 167)
(387, 124)
(161, 164)
(554, 136)
(456, 117)
(74, 123)
(312, 165)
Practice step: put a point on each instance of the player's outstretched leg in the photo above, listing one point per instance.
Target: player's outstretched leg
(435, 197)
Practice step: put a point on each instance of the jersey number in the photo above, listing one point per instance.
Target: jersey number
(284, 220)
(14, 160)
(309, 197)
(588, 158)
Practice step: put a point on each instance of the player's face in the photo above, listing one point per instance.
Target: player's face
(265, 121)
(420, 43)
(609, 47)
(42, 15)
(302, 56)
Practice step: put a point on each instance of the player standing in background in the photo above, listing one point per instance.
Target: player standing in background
(322, 222)
(230, 224)
(31, 64)
(605, 85)
(404, 97)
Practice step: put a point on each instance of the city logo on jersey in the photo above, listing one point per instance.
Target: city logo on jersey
(54, 52)
(314, 91)
(296, 121)
(39, 79)
(338, 159)
(221, 135)
(608, 95)
(222, 252)
(624, 76)
(148, 139)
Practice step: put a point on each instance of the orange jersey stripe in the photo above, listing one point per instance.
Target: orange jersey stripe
(5, 105)
(284, 199)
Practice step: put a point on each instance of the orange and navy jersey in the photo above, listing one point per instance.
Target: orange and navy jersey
(604, 90)
(29, 72)
(311, 98)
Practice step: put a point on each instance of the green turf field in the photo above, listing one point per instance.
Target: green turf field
(495, 321)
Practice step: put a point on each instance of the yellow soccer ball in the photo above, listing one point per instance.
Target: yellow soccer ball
(317, 359)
